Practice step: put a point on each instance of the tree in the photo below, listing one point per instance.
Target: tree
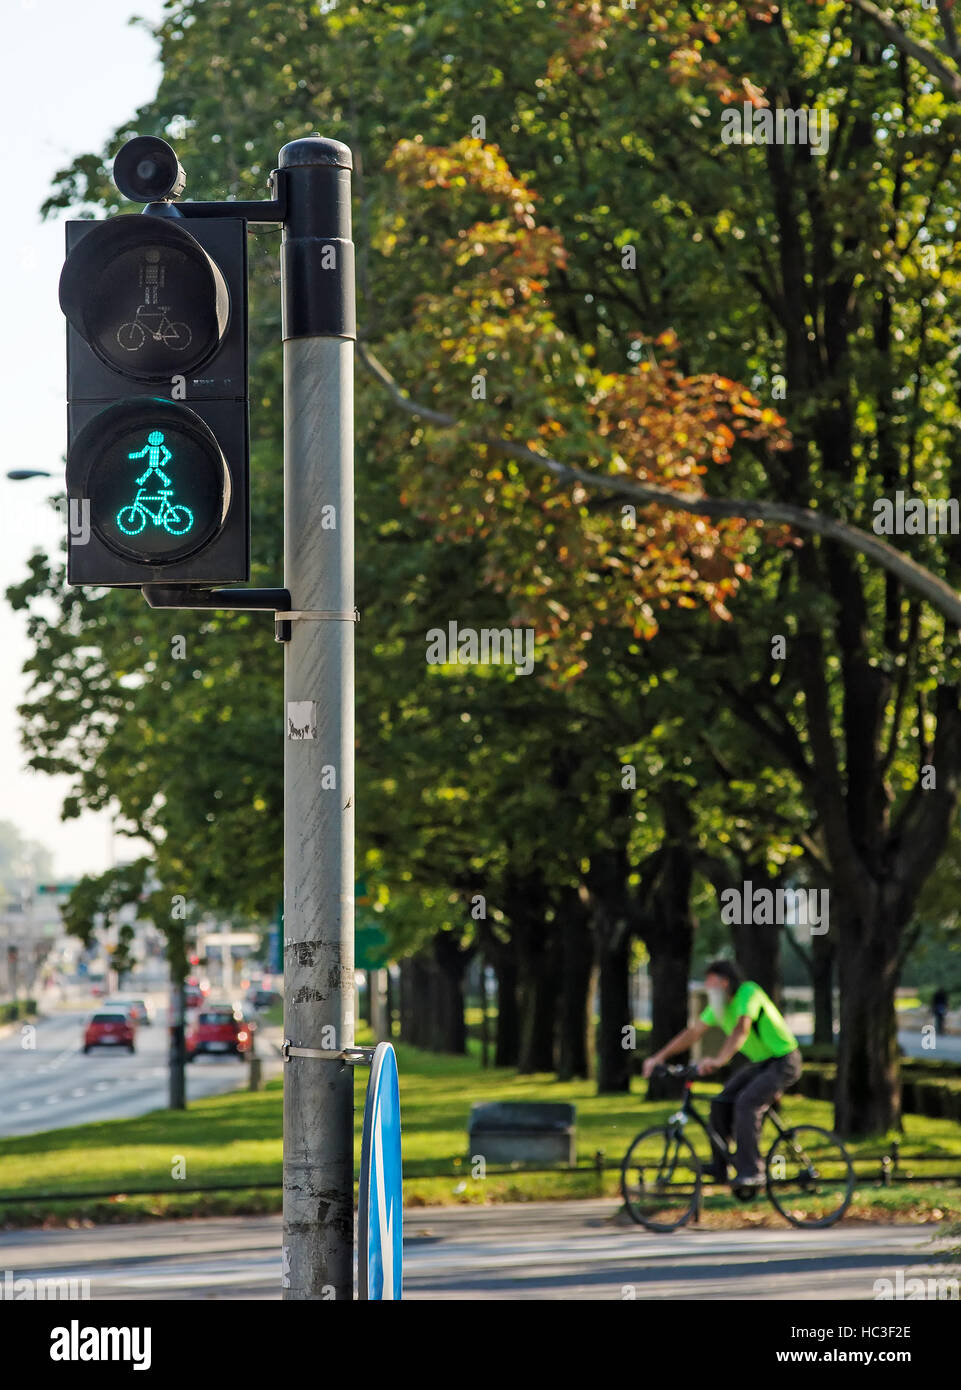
(503, 259)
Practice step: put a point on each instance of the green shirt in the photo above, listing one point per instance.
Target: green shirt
(769, 1036)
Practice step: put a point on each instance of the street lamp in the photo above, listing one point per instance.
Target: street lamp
(18, 474)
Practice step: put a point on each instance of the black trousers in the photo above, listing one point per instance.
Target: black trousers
(742, 1105)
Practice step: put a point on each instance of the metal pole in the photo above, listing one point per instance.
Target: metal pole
(317, 268)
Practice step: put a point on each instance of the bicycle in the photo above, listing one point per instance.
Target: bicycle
(154, 323)
(177, 521)
(809, 1177)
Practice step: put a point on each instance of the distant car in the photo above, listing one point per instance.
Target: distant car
(194, 994)
(220, 1028)
(136, 1008)
(261, 999)
(110, 1028)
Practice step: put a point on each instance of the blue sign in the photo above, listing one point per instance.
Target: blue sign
(275, 954)
(380, 1251)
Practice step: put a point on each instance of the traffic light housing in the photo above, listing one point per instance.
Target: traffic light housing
(157, 461)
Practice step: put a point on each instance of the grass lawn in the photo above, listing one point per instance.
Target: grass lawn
(236, 1139)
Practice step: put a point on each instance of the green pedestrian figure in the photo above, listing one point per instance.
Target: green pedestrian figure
(152, 450)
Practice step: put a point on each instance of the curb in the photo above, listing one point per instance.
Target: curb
(7, 1028)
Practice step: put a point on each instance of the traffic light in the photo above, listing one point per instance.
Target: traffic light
(157, 460)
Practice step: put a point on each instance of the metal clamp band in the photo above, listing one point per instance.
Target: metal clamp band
(354, 1056)
(319, 615)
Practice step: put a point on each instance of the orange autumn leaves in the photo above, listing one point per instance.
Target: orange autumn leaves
(570, 559)
(690, 36)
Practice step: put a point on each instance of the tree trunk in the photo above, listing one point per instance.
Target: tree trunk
(415, 1002)
(177, 1057)
(614, 1058)
(177, 1095)
(507, 1034)
(537, 997)
(867, 1099)
(576, 964)
(450, 962)
(484, 1006)
(822, 979)
(758, 948)
(391, 1004)
(667, 929)
(669, 969)
(405, 1021)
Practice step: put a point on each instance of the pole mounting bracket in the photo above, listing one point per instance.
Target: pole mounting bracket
(226, 600)
(318, 615)
(353, 1056)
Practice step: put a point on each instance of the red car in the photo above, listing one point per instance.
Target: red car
(220, 1028)
(114, 1029)
(194, 994)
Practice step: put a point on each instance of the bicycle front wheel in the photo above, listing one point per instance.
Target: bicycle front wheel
(661, 1179)
(131, 520)
(810, 1178)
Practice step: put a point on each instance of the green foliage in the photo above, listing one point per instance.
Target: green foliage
(840, 273)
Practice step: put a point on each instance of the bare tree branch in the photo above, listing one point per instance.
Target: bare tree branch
(902, 40)
(950, 33)
(914, 576)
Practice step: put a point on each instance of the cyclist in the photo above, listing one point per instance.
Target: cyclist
(754, 1026)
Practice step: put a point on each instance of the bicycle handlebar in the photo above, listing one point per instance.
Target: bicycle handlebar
(688, 1073)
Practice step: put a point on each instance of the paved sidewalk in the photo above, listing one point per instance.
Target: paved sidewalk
(528, 1251)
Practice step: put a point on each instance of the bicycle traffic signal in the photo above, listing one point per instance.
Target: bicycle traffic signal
(157, 461)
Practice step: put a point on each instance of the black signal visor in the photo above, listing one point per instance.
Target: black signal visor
(146, 297)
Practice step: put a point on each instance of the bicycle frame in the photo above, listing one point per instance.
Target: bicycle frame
(158, 313)
(162, 497)
(688, 1111)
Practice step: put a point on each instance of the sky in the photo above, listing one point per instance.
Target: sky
(73, 73)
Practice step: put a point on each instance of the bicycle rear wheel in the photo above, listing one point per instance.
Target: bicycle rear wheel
(810, 1178)
(178, 520)
(661, 1179)
(177, 336)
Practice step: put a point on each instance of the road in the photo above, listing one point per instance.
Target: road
(54, 1084)
(948, 1049)
(910, 1040)
(532, 1251)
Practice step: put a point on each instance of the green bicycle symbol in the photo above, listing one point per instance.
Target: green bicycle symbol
(175, 520)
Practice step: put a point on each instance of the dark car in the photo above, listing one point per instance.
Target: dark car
(114, 1029)
(261, 999)
(220, 1028)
